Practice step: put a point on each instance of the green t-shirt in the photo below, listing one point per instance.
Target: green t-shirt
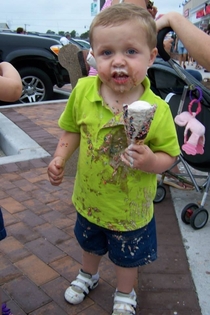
(107, 192)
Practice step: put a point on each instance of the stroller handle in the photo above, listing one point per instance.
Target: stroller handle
(160, 38)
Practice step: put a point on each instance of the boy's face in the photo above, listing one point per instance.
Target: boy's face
(122, 55)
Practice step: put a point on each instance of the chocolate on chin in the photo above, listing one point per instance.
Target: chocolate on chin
(137, 120)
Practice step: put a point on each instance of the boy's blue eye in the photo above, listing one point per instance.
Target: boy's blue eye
(131, 51)
(106, 52)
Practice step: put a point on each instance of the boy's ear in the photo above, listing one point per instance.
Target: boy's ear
(153, 55)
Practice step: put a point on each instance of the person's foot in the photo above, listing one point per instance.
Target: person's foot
(182, 184)
(80, 287)
(5, 310)
(68, 58)
(124, 304)
(198, 67)
(82, 57)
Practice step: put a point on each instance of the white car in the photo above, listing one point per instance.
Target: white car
(84, 43)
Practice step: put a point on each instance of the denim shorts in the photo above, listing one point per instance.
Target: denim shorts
(125, 249)
(182, 50)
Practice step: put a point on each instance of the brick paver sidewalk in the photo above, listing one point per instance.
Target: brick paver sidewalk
(40, 256)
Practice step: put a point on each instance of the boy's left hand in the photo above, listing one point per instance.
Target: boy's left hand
(139, 157)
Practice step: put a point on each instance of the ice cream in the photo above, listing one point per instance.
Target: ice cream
(137, 120)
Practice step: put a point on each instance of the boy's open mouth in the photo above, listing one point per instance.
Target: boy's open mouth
(120, 76)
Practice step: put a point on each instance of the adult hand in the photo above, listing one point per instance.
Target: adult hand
(153, 11)
(163, 21)
(167, 43)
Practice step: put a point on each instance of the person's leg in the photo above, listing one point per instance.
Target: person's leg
(94, 245)
(126, 278)
(125, 295)
(180, 59)
(128, 250)
(196, 74)
(90, 263)
(86, 280)
(184, 60)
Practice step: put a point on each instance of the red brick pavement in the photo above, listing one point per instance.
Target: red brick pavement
(40, 255)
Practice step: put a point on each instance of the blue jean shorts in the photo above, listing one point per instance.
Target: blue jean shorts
(182, 50)
(125, 249)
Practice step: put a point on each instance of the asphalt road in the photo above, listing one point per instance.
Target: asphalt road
(59, 94)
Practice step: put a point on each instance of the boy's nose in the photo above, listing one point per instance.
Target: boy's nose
(118, 60)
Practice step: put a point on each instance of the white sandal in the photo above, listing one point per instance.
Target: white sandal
(124, 304)
(80, 288)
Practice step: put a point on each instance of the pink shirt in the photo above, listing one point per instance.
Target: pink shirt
(107, 4)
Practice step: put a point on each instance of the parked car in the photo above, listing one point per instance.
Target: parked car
(74, 42)
(36, 60)
(82, 42)
(49, 35)
(58, 37)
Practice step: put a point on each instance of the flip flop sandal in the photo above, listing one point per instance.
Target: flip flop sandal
(177, 184)
(82, 57)
(68, 58)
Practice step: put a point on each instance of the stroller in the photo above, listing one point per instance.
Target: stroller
(179, 88)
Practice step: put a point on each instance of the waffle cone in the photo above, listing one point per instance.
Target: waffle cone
(139, 142)
(137, 120)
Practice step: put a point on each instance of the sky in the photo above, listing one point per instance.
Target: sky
(60, 15)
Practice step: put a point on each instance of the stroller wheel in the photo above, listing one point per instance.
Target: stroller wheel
(199, 218)
(188, 211)
(160, 194)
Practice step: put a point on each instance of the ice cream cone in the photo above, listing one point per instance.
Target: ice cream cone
(139, 142)
(137, 120)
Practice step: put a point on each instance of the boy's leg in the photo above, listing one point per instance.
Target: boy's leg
(126, 278)
(128, 251)
(86, 280)
(125, 296)
(90, 262)
(93, 242)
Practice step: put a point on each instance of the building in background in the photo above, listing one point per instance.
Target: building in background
(4, 27)
(198, 12)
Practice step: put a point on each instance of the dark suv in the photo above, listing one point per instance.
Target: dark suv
(36, 60)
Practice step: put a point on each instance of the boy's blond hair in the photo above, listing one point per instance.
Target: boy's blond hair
(118, 14)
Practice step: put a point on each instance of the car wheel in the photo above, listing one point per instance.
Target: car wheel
(37, 86)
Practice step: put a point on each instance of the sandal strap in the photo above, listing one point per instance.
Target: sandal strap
(124, 304)
(84, 282)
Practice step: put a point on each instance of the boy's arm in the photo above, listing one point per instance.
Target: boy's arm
(67, 144)
(162, 162)
(10, 83)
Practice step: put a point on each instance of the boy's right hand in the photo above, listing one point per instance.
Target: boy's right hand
(56, 170)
